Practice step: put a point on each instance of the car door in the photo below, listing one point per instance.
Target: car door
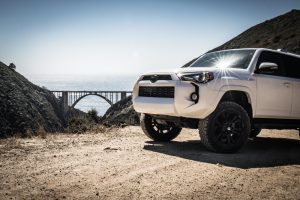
(295, 113)
(273, 88)
(292, 66)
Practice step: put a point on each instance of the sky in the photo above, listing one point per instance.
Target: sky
(121, 37)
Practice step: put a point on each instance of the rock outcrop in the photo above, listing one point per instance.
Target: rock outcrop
(26, 107)
(121, 113)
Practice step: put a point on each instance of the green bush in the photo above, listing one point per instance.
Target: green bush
(92, 116)
(78, 125)
(82, 123)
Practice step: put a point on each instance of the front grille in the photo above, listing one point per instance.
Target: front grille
(157, 77)
(164, 92)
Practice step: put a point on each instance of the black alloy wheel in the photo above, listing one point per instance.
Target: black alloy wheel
(227, 129)
(158, 131)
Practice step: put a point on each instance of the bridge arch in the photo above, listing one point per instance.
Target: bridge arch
(83, 96)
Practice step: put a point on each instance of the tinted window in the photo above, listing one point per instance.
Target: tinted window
(292, 66)
(225, 59)
(272, 57)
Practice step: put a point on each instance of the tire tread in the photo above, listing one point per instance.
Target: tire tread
(204, 124)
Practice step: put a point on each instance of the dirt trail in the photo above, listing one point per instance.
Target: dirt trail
(124, 164)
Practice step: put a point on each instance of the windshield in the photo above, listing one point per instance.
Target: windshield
(225, 59)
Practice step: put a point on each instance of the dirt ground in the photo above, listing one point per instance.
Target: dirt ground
(125, 164)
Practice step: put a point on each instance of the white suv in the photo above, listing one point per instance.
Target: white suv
(228, 95)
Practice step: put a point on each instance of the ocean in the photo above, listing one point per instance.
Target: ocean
(86, 82)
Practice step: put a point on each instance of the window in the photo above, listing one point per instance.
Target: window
(292, 66)
(272, 57)
(225, 59)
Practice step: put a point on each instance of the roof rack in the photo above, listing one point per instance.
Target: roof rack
(287, 51)
(283, 50)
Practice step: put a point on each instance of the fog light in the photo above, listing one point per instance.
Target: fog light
(194, 96)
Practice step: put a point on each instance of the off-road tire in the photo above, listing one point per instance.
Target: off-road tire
(158, 132)
(215, 134)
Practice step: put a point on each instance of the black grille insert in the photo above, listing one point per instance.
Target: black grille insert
(157, 77)
(164, 92)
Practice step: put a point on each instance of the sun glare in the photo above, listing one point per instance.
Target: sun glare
(226, 61)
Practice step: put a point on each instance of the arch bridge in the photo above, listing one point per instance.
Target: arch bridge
(69, 99)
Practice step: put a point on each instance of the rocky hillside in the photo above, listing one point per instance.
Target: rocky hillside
(121, 113)
(25, 107)
(282, 32)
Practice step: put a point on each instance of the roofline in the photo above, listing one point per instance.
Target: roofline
(281, 52)
(262, 49)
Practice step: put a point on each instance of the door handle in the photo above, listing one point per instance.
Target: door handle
(287, 84)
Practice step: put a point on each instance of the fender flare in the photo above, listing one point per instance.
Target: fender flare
(238, 88)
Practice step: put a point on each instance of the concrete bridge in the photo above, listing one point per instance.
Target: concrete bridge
(69, 99)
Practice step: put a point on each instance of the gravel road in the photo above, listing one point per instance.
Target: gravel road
(125, 164)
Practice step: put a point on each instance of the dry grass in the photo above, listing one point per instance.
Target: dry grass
(53, 140)
(41, 133)
(11, 143)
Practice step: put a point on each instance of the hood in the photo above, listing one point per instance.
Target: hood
(208, 69)
(196, 69)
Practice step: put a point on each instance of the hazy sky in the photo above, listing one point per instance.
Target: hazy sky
(121, 37)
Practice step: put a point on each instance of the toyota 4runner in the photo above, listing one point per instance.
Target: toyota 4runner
(228, 95)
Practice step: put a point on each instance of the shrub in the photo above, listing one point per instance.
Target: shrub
(78, 125)
(92, 116)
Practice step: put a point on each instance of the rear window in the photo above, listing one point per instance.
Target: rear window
(225, 59)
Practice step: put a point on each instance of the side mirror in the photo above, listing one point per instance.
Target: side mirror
(268, 66)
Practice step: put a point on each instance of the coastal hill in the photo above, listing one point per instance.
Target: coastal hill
(24, 107)
(282, 32)
(121, 113)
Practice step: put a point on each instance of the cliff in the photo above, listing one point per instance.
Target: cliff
(25, 107)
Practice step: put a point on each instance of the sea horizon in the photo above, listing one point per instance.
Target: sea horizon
(85, 82)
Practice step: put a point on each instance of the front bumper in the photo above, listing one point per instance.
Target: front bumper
(179, 106)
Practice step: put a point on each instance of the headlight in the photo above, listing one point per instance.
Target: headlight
(202, 77)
